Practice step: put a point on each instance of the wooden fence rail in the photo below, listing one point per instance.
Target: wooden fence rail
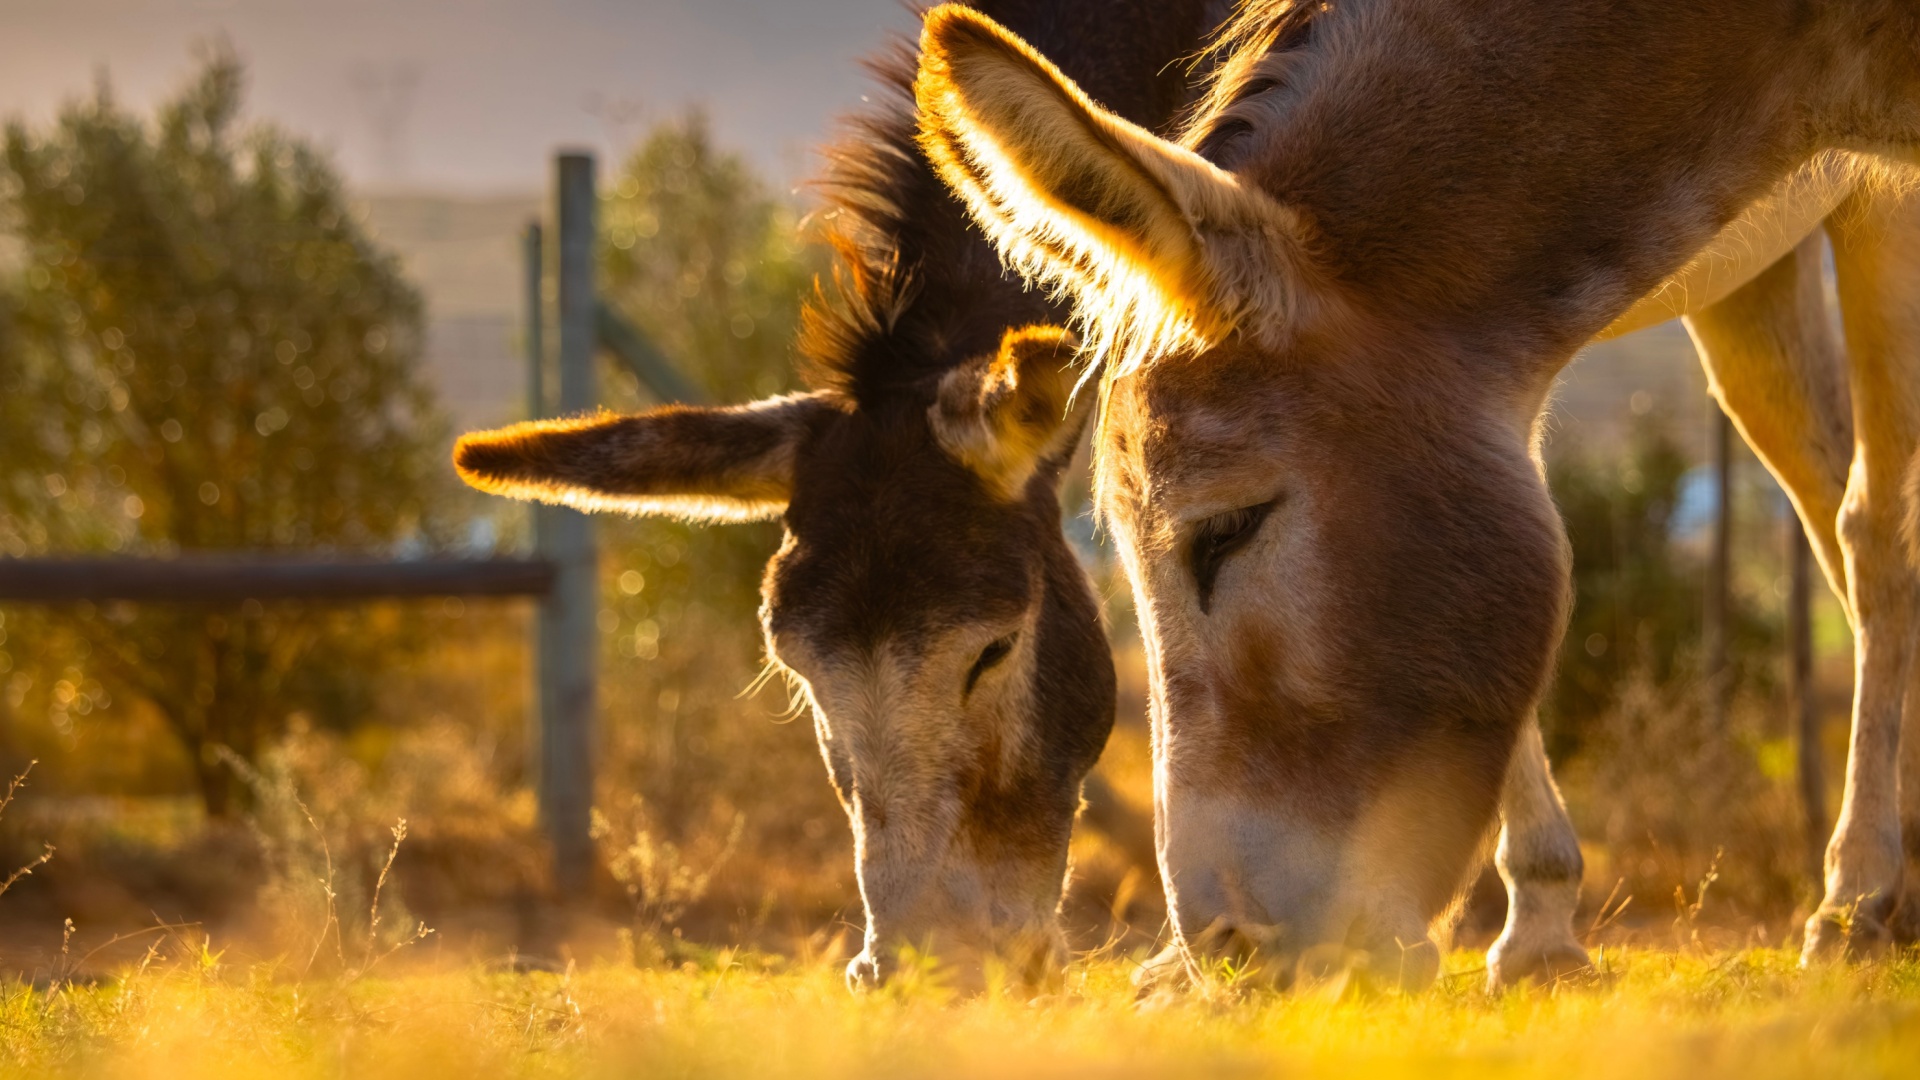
(231, 577)
(563, 574)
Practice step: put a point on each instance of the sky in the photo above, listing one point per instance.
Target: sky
(470, 96)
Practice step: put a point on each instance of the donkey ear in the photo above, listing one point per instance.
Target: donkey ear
(1007, 414)
(704, 464)
(1157, 247)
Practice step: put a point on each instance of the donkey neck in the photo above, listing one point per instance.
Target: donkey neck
(1515, 178)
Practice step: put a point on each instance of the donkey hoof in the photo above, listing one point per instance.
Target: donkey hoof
(1160, 975)
(1510, 963)
(863, 973)
(1844, 934)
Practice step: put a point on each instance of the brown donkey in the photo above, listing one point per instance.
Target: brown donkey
(925, 594)
(1329, 317)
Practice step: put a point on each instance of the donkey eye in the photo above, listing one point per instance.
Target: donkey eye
(1219, 537)
(990, 657)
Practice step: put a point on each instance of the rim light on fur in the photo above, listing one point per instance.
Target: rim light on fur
(1139, 316)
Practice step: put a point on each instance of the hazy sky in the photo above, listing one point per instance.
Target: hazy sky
(495, 85)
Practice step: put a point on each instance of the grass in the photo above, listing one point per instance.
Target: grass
(1748, 1014)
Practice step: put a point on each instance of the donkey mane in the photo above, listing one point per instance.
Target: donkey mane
(916, 289)
(1257, 28)
(909, 270)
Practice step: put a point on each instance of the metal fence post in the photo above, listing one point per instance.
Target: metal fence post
(569, 641)
(539, 515)
(535, 266)
(1719, 609)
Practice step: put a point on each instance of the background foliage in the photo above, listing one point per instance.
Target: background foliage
(203, 350)
(713, 267)
(1639, 580)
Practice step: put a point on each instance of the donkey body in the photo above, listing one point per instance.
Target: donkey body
(924, 595)
(1330, 314)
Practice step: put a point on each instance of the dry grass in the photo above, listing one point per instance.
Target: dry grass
(718, 793)
(1663, 801)
(1745, 1014)
(317, 969)
(721, 839)
(255, 1002)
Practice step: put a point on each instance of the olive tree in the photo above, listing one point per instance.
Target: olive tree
(202, 349)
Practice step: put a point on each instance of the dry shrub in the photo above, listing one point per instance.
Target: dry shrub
(474, 834)
(337, 888)
(27, 868)
(1666, 802)
(662, 880)
(706, 761)
(323, 867)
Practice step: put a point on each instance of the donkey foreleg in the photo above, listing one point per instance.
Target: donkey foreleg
(1865, 859)
(1876, 243)
(1905, 924)
(1539, 860)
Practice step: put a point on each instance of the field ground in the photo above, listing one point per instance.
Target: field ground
(1748, 1014)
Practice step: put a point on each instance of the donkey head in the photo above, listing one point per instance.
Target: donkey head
(1349, 578)
(924, 596)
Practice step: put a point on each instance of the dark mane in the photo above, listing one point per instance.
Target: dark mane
(915, 289)
(1257, 28)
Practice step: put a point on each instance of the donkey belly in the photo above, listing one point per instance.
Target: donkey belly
(1749, 244)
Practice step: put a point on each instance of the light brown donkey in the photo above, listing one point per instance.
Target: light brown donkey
(1329, 316)
(925, 595)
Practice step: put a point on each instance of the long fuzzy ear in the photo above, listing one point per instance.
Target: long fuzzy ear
(1158, 249)
(1005, 414)
(705, 464)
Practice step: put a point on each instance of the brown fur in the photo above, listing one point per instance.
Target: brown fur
(704, 464)
(1002, 421)
(1385, 229)
(1177, 263)
(918, 485)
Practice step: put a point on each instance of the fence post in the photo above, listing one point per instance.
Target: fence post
(535, 267)
(569, 642)
(1719, 610)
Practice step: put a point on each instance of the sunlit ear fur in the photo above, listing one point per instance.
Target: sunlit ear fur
(1158, 249)
(1006, 414)
(700, 464)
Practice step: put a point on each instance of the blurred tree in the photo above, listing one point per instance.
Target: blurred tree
(204, 350)
(1637, 595)
(710, 264)
(704, 259)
